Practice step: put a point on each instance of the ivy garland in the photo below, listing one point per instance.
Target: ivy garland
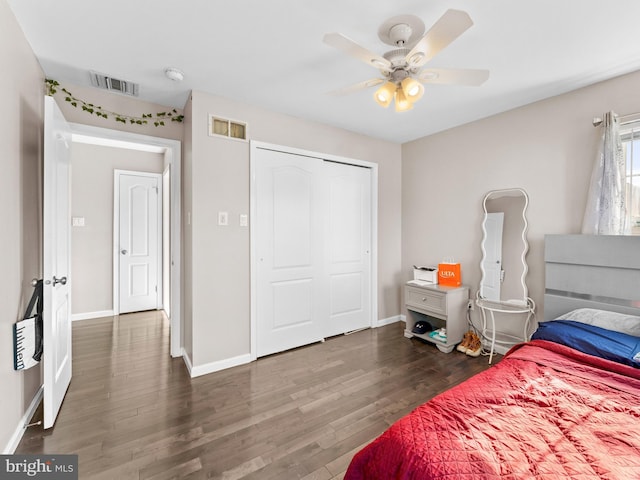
(158, 118)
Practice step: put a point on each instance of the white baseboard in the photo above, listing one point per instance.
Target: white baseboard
(196, 371)
(387, 321)
(14, 441)
(91, 315)
(187, 361)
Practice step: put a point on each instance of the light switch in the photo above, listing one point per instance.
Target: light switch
(223, 218)
(77, 221)
(244, 220)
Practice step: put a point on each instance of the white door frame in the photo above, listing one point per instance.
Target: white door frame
(116, 236)
(253, 147)
(172, 148)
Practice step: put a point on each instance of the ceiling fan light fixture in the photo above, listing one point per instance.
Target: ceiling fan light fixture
(384, 95)
(412, 89)
(378, 64)
(402, 102)
(416, 59)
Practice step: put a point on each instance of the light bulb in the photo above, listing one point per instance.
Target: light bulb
(412, 89)
(402, 102)
(384, 95)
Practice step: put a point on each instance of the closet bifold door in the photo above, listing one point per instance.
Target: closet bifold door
(289, 254)
(348, 247)
(313, 249)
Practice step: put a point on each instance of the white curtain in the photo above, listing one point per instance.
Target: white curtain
(606, 212)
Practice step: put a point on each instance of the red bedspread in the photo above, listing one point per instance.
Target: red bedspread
(545, 411)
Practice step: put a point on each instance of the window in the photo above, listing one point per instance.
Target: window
(630, 136)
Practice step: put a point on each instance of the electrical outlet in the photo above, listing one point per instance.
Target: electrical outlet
(470, 305)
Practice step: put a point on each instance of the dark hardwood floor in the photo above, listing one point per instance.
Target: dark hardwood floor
(132, 412)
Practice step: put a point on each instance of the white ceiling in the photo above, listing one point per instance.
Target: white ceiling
(270, 53)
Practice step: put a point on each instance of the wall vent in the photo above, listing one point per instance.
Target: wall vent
(223, 127)
(106, 82)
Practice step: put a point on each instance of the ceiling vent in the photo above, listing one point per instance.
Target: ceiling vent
(106, 82)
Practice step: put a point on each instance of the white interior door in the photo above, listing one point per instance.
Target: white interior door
(56, 260)
(289, 251)
(493, 257)
(348, 235)
(139, 240)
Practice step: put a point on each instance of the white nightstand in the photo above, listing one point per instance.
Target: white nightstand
(441, 307)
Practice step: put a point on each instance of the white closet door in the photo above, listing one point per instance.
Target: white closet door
(289, 222)
(348, 241)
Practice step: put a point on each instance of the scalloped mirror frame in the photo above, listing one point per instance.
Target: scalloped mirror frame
(495, 194)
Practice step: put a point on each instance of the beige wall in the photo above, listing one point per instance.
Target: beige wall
(217, 177)
(92, 169)
(547, 148)
(21, 116)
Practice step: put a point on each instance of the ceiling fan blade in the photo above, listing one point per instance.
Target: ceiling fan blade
(454, 76)
(449, 27)
(348, 46)
(358, 86)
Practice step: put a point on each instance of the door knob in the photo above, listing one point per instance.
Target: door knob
(124, 252)
(62, 280)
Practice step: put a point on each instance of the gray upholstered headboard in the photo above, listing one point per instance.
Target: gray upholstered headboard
(591, 271)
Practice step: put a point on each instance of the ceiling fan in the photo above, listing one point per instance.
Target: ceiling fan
(401, 68)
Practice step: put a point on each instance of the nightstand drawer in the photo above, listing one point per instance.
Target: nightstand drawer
(426, 300)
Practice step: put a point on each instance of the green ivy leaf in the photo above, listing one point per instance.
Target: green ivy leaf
(97, 110)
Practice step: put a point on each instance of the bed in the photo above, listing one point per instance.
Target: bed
(564, 405)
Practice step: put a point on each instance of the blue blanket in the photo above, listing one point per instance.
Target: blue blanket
(600, 342)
